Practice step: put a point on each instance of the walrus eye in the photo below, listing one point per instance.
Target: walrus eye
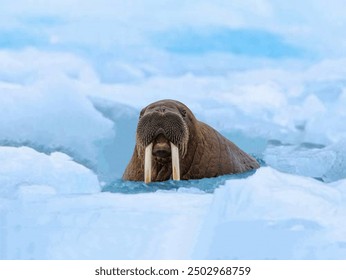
(183, 112)
(141, 113)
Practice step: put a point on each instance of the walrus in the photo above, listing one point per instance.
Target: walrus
(172, 144)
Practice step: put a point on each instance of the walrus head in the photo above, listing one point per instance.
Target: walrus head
(162, 132)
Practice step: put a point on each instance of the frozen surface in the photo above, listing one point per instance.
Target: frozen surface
(73, 81)
(23, 171)
(53, 117)
(324, 163)
(103, 226)
(273, 215)
(268, 215)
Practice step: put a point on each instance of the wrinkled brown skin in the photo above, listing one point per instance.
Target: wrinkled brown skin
(209, 154)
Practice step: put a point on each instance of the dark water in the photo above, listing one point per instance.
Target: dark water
(207, 185)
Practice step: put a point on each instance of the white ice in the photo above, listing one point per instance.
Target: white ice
(269, 215)
(23, 171)
(273, 215)
(327, 163)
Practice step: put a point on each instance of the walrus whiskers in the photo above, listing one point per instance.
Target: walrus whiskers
(175, 162)
(147, 163)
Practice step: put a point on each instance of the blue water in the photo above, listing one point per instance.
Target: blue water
(207, 185)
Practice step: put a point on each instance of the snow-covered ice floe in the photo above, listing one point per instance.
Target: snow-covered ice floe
(273, 215)
(25, 172)
(324, 163)
(50, 212)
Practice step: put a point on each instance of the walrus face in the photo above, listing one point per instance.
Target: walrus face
(162, 132)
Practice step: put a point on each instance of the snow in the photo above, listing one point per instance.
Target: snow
(325, 163)
(25, 172)
(72, 83)
(105, 226)
(267, 215)
(58, 117)
(273, 215)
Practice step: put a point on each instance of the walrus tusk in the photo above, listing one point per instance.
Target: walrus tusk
(147, 163)
(175, 162)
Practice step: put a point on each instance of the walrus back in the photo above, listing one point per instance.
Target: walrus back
(215, 155)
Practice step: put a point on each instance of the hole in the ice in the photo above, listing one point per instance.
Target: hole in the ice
(207, 185)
